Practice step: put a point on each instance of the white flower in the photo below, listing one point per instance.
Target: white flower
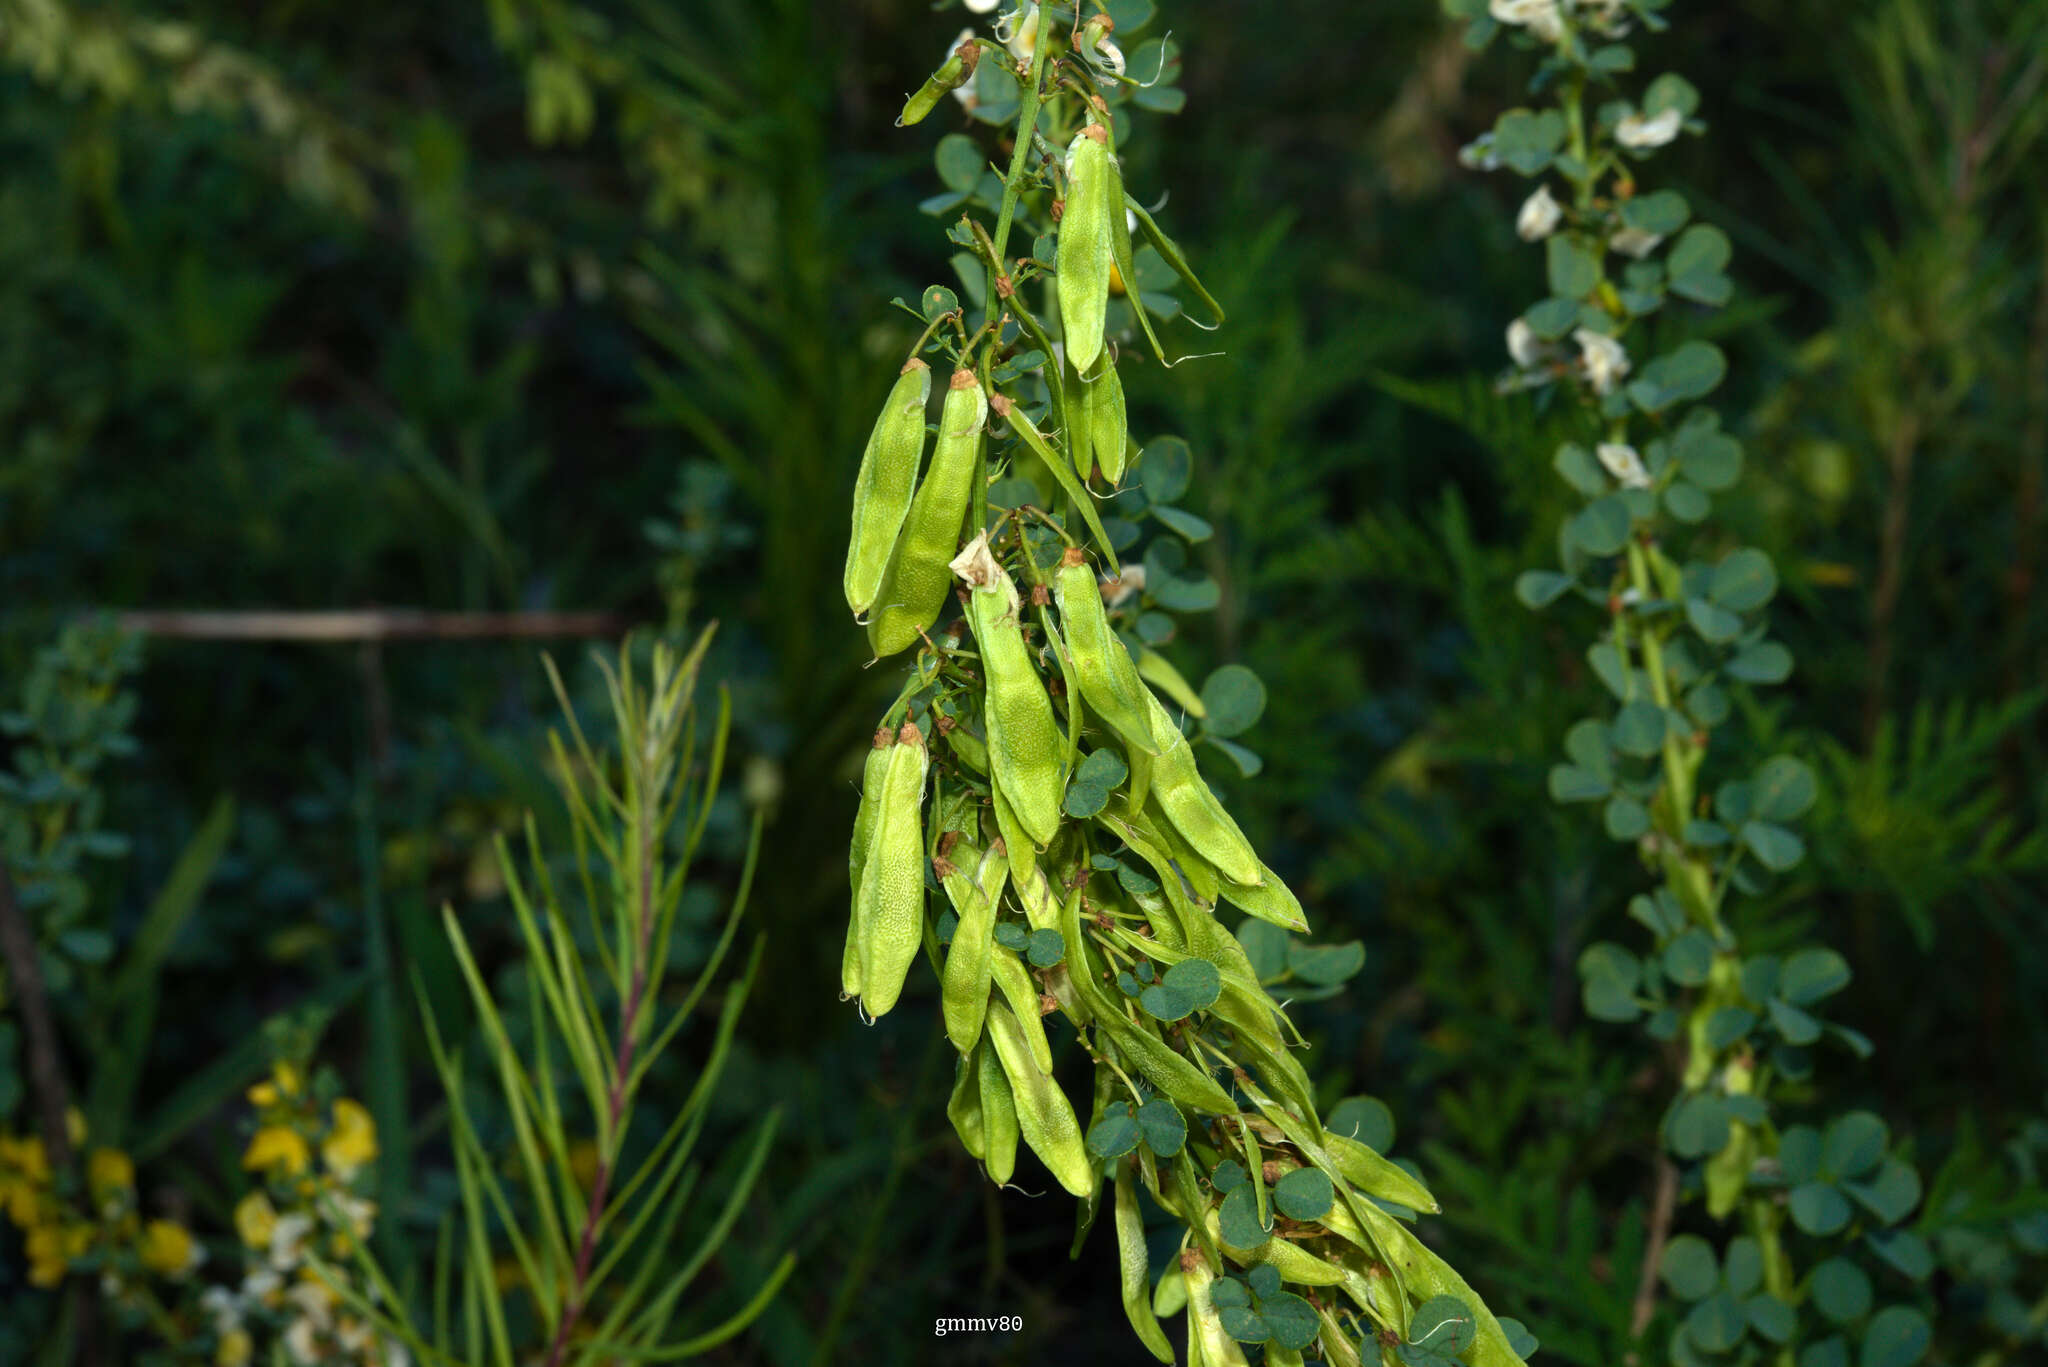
(982, 6)
(1118, 590)
(288, 1241)
(1540, 16)
(259, 1286)
(315, 1302)
(1603, 358)
(1624, 464)
(1527, 349)
(303, 1342)
(1638, 132)
(1539, 216)
(1635, 242)
(223, 1307)
(1018, 31)
(1478, 154)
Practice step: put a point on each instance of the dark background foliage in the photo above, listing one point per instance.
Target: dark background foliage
(459, 343)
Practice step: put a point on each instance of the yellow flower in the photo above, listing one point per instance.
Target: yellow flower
(255, 1218)
(278, 1149)
(283, 1085)
(108, 1174)
(74, 1125)
(26, 1157)
(51, 1247)
(353, 1140)
(235, 1349)
(167, 1248)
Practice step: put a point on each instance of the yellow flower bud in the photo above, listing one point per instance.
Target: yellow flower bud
(108, 1174)
(277, 1149)
(167, 1248)
(255, 1219)
(352, 1142)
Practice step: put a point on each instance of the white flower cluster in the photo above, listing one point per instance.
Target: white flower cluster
(281, 1284)
(1545, 19)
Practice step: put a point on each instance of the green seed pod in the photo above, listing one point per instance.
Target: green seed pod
(1205, 1326)
(1159, 671)
(1044, 1115)
(957, 71)
(1094, 197)
(881, 493)
(963, 1107)
(1422, 1274)
(1024, 742)
(1104, 669)
(1021, 992)
(1182, 794)
(857, 856)
(890, 903)
(1135, 1267)
(998, 1115)
(1293, 1262)
(1378, 1177)
(1271, 900)
(1105, 424)
(975, 885)
(1041, 908)
(1061, 468)
(914, 588)
(971, 750)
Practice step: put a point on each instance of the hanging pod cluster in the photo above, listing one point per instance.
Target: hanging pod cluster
(1033, 817)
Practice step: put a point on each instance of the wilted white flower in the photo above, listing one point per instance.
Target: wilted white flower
(1525, 346)
(1115, 591)
(1099, 48)
(1603, 357)
(1539, 15)
(1018, 31)
(1624, 464)
(965, 92)
(1638, 132)
(1635, 242)
(1539, 216)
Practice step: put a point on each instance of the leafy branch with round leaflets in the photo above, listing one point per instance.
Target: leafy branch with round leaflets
(1683, 630)
(1036, 818)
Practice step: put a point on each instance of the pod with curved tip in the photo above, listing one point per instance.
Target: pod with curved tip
(857, 855)
(1181, 792)
(1378, 1176)
(915, 586)
(1021, 993)
(1108, 677)
(1024, 741)
(1034, 890)
(973, 881)
(1293, 1262)
(1205, 1326)
(1272, 900)
(890, 903)
(882, 491)
(1105, 424)
(1044, 1115)
(963, 1107)
(1135, 1268)
(957, 71)
(998, 1116)
(1083, 254)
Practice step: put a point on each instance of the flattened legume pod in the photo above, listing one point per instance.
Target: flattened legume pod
(1021, 992)
(857, 856)
(963, 1107)
(1135, 1267)
(914, 588)
(891, 898)
(1044, 1115)
(881, 493)
(998, 1115)
(1107, 675)
(957, 71)
(974, 884)
(1205, 1326)
(1272, 900)
(1083, 254)
(1178, 787)
(1104, 416)
(1024, 741)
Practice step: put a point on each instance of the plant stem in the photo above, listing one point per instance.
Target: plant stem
(1013, 184)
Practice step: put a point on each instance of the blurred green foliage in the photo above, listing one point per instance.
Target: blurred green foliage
(543, 305)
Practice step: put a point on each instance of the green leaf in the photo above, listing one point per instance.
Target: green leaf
(1698, 1126)
(1162, 1127)
(1898, 1336)
(1526, 141)
(1671, 91)
(1742, 1266)
(1906, 1251)
(1551, 319)
(1744, 580)
(1304, 1194)
(1728, 1025)
(1662, 212)
(1696, 263)
(1819, 1209)
(1853, 1145)
(1708, 457)
(1165, 468)
(1892, 1194)
(1686, 502)
(1812, 975)
(1717, 1323)
(1796, 1026)
(1625, 818)
(1235, 698)
(1782, 788)
(1521, 1342)
(1443, 1324)
(1265, 944)
(1689, 1267)
(1692, 371)
(1799, 1152)
(1841, 1290)
(1045, 948)
(1577, 467)
(1366, 1119)
(1325, 965)
(1239, 1219)
(1601, 527)
(1776, 848)
(1638, 729)
(1012, 936)
(1538, 589)
(1103, 768)
(1085, 799)
(1229, 1293)
(1291, 1320)
(1690, 958)
(1247, 761)
(1229, 1175)
(1113, 1136)
(1771, 1318)
(1573, 271)
(1766, 662)
(1715, 625)
(1195, 981)
(1184, 523)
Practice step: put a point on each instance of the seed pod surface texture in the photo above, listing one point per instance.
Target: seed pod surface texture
(881, 492)
(857, 854)
(890, 903)
(1083, 255)
(1108, 677)
(914, 588)
(1025, 746)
